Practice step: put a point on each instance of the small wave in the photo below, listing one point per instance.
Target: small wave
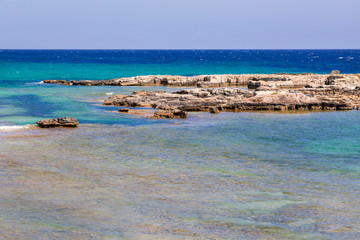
(5, 128)
(33, 83)
(109, 93)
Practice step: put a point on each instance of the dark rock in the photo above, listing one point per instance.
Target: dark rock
(164, 81)
(60, 122)
(308, 86)
(123, 109)
(214, 110)
(331, 80)
(179, 113)
(253, 84)
(207, 79)
(48, 123)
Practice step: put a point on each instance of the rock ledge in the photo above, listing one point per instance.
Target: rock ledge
(59, 122)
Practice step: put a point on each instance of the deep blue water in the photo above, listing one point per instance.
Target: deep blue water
(104, 64)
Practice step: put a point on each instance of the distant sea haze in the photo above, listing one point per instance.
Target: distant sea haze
(37, 65)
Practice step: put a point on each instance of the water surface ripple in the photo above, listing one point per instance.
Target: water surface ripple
(226, 176)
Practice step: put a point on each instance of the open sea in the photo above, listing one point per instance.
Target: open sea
(248, 175)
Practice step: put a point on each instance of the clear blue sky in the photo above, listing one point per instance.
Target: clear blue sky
(179, 24)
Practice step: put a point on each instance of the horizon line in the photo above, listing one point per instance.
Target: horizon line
(179, 49)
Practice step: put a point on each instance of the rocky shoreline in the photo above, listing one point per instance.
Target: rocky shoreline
(281, 80)
(215, 93)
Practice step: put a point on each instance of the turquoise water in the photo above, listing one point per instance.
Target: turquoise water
(226, 176)
(116, 176)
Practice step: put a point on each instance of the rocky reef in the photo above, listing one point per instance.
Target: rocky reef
(236, 99)
(59, 122)
(253, 81)
(215, 93)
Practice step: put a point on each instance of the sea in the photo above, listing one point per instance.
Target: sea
(248, 175)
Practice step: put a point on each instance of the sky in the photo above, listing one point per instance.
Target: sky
(179, 24)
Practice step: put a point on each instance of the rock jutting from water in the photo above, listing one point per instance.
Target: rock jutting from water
(215, 93)
(59, 122)
(281, 80)
(235, 99)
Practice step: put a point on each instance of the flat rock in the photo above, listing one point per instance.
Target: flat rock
(280, 80)
(59, 122)
(214, 100)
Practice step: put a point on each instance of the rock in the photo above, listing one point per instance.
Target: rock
(253, 84)
(48, 123)
(207, 79)
(179, 113)
(214, 110)
(176, 104)
(164, 81)
(334, 72)
(170, 114)
(271, 79)
(123, 109)
(68, 122)
(272, 92)
(331, 80)
(141, 92)
(60, 122)
(163, 114)
(283, 81)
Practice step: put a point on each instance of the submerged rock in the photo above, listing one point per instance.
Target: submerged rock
(59, 122)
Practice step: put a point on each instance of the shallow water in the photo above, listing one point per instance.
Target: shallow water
(117, 176)
(226, 176)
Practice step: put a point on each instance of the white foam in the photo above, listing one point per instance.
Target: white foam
(109, 93)
(13, 127)
(33, 83)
